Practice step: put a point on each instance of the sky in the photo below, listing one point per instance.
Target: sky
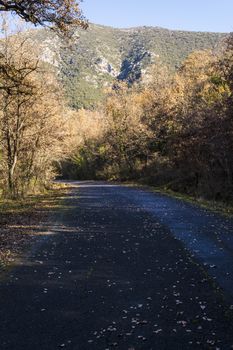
(197, 15)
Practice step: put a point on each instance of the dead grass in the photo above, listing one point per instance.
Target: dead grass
(21, 220)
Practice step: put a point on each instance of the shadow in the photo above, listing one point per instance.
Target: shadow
(105, 271)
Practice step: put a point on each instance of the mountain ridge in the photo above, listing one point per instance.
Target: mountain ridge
(102, 54)
(156, 27)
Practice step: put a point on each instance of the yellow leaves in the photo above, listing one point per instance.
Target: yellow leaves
(198, 63)
(173, 126)
(83, 126)
(143, 99)
(170, 121)
(215, 95)
(103, 150)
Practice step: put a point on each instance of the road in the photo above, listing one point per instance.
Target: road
(122, 268)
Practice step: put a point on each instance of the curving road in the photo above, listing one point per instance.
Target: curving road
(123, 268)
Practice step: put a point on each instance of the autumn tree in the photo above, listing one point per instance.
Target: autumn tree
(127, 136)
(198, 137)
(83, 144)
(30, 116)
(172, 129)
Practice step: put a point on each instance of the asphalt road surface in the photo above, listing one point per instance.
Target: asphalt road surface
(122, 268)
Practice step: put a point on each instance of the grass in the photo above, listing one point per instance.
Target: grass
(20, 221)
(217, 207)
(28, 204)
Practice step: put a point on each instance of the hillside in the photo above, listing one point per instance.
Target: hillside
(102, 54)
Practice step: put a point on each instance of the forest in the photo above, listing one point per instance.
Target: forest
(116, 180)
(172, 130)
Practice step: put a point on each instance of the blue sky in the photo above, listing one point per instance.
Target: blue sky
(198, 15)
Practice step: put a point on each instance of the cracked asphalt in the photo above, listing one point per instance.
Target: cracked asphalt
(122, 268)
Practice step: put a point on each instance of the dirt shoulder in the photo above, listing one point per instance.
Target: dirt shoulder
(21, 222)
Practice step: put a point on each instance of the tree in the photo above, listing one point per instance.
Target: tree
(174, 129)
(30, 124)
(200, 142)
(63, 15)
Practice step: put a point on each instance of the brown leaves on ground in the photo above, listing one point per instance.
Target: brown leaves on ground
(21, 222)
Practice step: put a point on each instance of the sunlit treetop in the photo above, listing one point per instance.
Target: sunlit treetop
(60, 15)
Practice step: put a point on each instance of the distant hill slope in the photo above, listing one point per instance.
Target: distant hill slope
(102, 54)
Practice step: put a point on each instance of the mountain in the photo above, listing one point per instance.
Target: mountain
(101, 54)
